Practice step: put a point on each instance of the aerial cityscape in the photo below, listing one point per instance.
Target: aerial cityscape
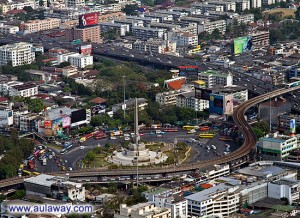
(149, 108)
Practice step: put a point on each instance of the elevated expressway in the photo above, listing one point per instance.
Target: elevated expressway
(234, 159)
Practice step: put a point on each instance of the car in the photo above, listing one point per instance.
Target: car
(70, 169)
(141, 134)
(66, 161)
(126, 135)
(127, 139)
(113, 138)
(50, 156)
(49, 150)
(81, 147)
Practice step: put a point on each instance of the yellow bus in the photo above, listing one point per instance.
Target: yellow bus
(206, 135)
(188, 128)
(35, 173)
(26, 173)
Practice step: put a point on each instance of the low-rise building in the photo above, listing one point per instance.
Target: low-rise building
(8, 29)
(6, 118)
(17, 5)
(260, 39)
(142, 210)
(86, 34)
(276, 147)
(285, 118)
(80, 60)
(24, 90)
(120, 29)
(28, 122)
(54, 187)
(147, 33)
(188, 100)
(168, 98)
(221, 199)
(177, 204)
(185, 39)
(16, 54)
(213, 78)
(155, 46)
(205, 7)
(284, 188)
(39, 25)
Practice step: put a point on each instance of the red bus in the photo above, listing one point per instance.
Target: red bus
(170, 129)
(31, 164)
(88, 136)
(100, 135)
(204, 128)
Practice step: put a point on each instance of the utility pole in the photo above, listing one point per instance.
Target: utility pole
(124, 107)
(270, 116)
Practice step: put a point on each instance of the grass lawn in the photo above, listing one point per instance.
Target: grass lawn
(98, 162)
(154, 147)
(286, 11)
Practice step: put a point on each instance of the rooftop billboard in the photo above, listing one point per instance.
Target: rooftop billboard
(90, 19)
(242, 44)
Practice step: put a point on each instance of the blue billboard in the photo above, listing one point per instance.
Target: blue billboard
(216, 104)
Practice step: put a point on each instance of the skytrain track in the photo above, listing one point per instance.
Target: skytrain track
(246, 151)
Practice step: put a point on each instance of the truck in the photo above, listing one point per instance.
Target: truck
(44, 162)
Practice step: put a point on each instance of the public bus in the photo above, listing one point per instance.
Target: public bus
(100, 135)
(170, 129)
(188, 128)
(35, 173)
(26, 173)
(206, 135)
(63, 151)
(204, 128)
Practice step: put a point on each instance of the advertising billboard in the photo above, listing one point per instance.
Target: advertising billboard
(66, 122)
(88, 19)
(78, 115)
(47, 124)
(242, 44)
(86, 49)
(292, 126)
(228, 107)
(57, 127)
(216, 104)
(190, 72)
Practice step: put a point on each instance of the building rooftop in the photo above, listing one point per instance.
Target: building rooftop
(286, 181)
(42, 179)
(207, 193)
(59, 112)
(156, 191)
(262, 171)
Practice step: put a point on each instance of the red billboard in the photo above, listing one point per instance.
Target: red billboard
(88, 19)
(86, 49)
(47, 124)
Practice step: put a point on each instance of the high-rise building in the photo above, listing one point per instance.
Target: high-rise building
(17, 54)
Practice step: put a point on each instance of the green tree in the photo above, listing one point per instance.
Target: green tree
(28, 9)
(112, 188)
(90, 156)
(2, 197)
(297, 13)
(35, 105)
(19, 194)
(216, 34)
(64, 64)
(131, 9)
(258, 132)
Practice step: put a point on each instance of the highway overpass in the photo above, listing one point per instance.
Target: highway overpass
(242, 155)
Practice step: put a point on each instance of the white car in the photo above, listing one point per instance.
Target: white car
(50, 156)
(126, 135)
(113, 137)
(127, 139)
(81, 147)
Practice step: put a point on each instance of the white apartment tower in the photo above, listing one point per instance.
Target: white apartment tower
(17, 54)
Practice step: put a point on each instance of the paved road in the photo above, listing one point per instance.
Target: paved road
(75, 155)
